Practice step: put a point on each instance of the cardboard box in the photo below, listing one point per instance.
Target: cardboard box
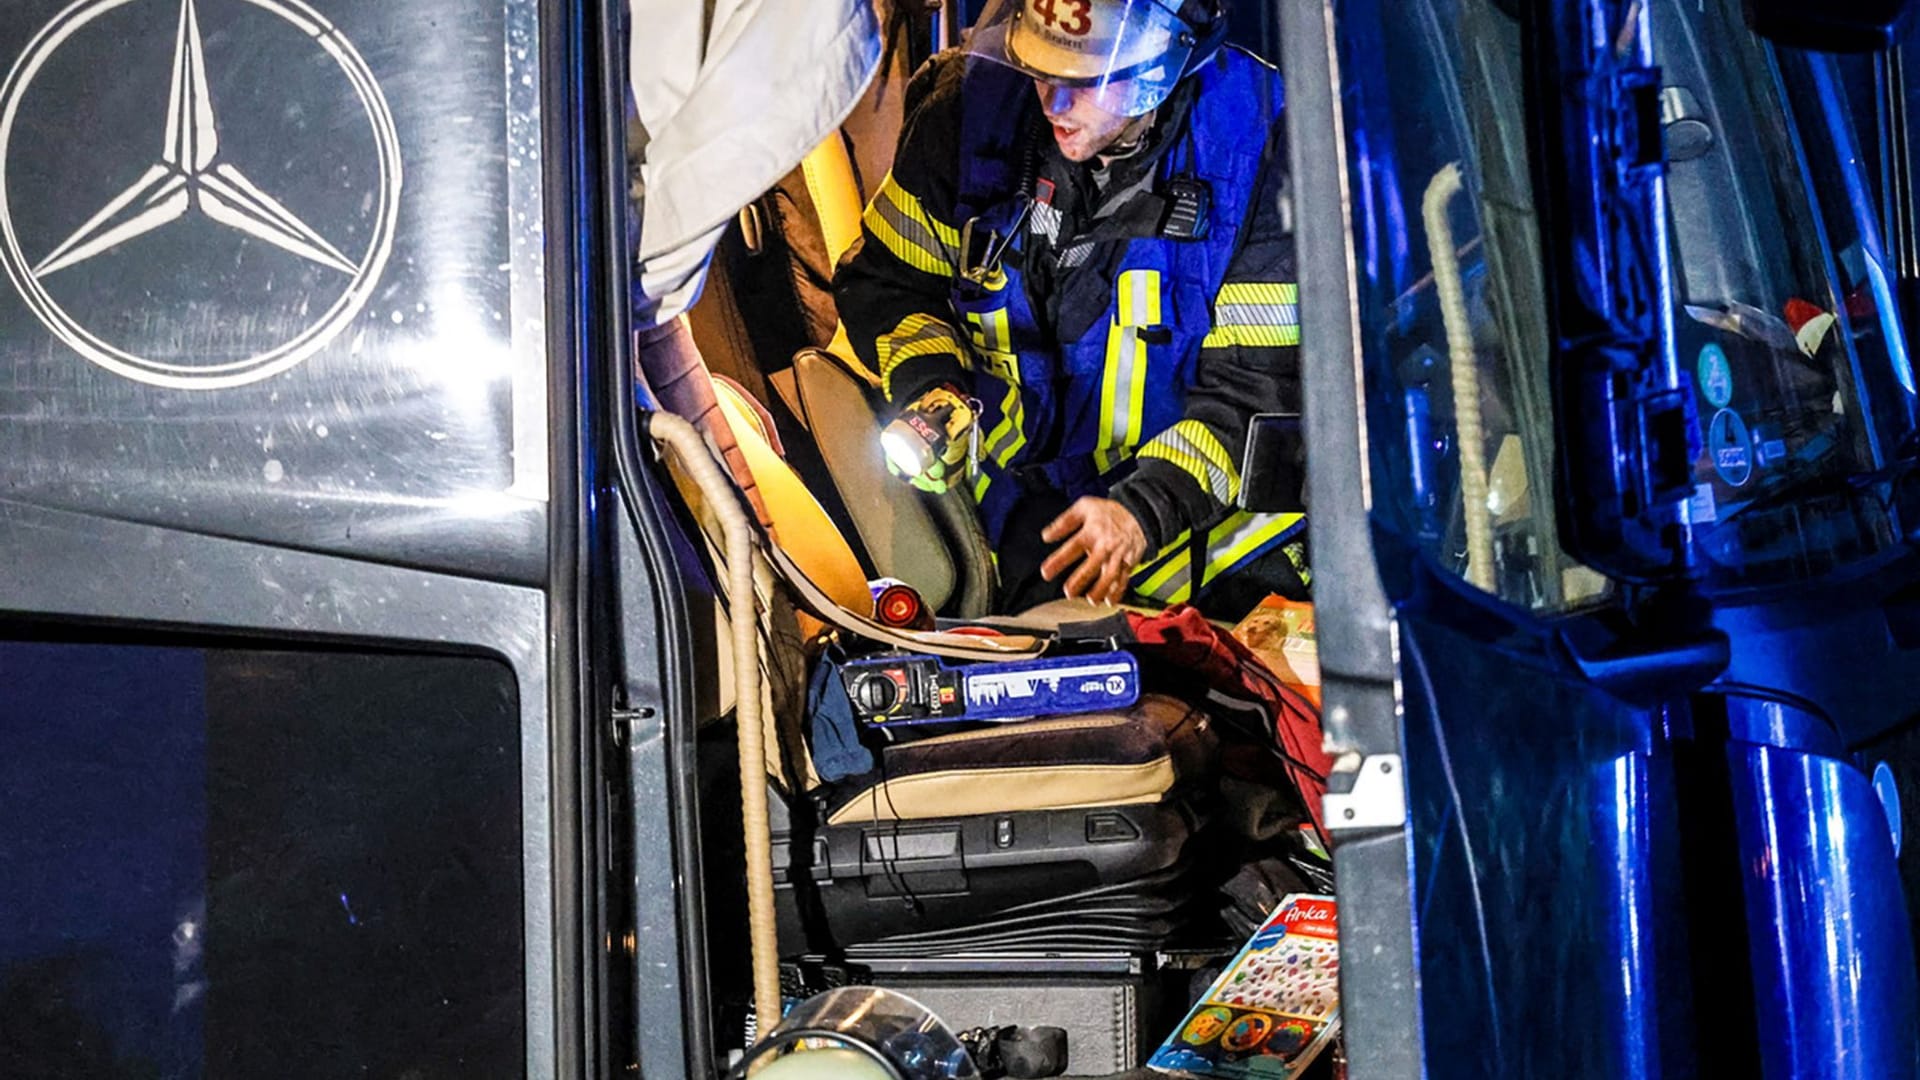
(1280, 632)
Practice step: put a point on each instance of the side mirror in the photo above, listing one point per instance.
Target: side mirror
(1840, 26)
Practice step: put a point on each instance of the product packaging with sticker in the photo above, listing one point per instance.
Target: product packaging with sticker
(1275, 1007)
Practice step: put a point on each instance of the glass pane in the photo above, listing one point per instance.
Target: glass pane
(1782, 292)
(1452, 306)
(1785, 325)
(241, 863)
(296, 297)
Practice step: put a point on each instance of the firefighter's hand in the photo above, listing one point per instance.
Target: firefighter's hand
(1104, 539)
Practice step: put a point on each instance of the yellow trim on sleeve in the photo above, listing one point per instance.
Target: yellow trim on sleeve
(914, 236)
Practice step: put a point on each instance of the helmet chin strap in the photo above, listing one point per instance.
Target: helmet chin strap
(1131, 139)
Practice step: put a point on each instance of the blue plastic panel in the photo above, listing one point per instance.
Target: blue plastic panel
(1832, 952)
(1541, 827)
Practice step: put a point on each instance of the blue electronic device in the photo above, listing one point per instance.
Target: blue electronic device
(908, 689)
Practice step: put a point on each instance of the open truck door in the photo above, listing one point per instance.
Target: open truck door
(307, 704)
(1612, 629)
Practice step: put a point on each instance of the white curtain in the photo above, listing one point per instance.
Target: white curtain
(731, 94)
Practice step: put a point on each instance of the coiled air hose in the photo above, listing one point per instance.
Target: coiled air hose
(1463, 363)
(724, 500)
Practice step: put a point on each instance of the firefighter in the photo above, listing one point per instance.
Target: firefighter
(1077, 287)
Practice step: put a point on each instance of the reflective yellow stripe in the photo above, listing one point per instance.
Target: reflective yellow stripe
(1258, 292)
(914, 236)
(1194, 449)
(1228, 545)
(1006, 439)
(993, 340)
(1153, 582)
(917, 335)
(1253, 337)
(1227, 550)
(1124, 385)
(1255, 314)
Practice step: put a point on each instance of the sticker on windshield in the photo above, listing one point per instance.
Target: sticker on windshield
(1731, 446)
(1706, 510)
(1716, 376)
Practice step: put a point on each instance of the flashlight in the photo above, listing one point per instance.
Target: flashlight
(912, 444)
(921, 443)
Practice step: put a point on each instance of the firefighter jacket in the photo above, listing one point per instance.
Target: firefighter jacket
(1119, 324)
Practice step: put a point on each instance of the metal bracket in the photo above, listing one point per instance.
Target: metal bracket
(1378, 799)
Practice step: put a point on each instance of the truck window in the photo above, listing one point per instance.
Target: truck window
(1780, 293)
(236, 861)
(1781, 290)
(1452, 311)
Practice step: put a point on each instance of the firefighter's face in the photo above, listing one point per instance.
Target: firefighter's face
(1081, 124)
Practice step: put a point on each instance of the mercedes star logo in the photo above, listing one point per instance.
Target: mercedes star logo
(190, 176)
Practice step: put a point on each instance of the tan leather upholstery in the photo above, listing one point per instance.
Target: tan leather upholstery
(1101, 759)
(895, 527)
(932, 543)
(800, 526)
(836, 196)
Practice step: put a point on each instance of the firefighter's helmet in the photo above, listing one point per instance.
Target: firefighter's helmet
(1134, 51)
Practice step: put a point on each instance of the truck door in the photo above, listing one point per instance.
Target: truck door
(1622, 421)
(300, 745)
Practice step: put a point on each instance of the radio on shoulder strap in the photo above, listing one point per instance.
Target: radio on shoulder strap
(1189, 199)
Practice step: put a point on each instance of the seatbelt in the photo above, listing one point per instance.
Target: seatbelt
(931, 642)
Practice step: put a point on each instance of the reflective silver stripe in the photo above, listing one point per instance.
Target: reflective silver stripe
(913, 232)
(1124, 381)
(1124, 421)
(1224, 485)
(1256, 315)
(990, 329)
(1133, 356)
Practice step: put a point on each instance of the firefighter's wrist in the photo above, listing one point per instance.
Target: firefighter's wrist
(1143, 514)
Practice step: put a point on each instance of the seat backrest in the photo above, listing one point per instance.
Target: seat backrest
(801, 528)
(836, 195)
(932, 542)
(760, 323)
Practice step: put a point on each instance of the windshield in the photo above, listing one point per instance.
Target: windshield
(1780, 297)
(1784, 309)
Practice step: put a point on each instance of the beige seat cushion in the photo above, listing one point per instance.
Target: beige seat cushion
(899, 534)
(800, 526)
(1063, 763)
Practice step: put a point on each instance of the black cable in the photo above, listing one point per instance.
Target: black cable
(888, 860)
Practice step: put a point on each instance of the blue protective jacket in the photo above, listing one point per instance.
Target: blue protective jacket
(1128, 363)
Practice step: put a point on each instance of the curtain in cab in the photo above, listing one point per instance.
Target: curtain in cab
(729, 95)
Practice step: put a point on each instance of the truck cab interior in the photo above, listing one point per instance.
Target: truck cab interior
(1080, 871)
(949, 901)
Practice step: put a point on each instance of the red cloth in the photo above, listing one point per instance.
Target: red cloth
(1184, 639)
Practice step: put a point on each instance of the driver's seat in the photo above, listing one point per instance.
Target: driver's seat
(823, 402)
(1070, 829)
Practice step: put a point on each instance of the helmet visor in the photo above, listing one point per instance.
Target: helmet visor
(1130, 51)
